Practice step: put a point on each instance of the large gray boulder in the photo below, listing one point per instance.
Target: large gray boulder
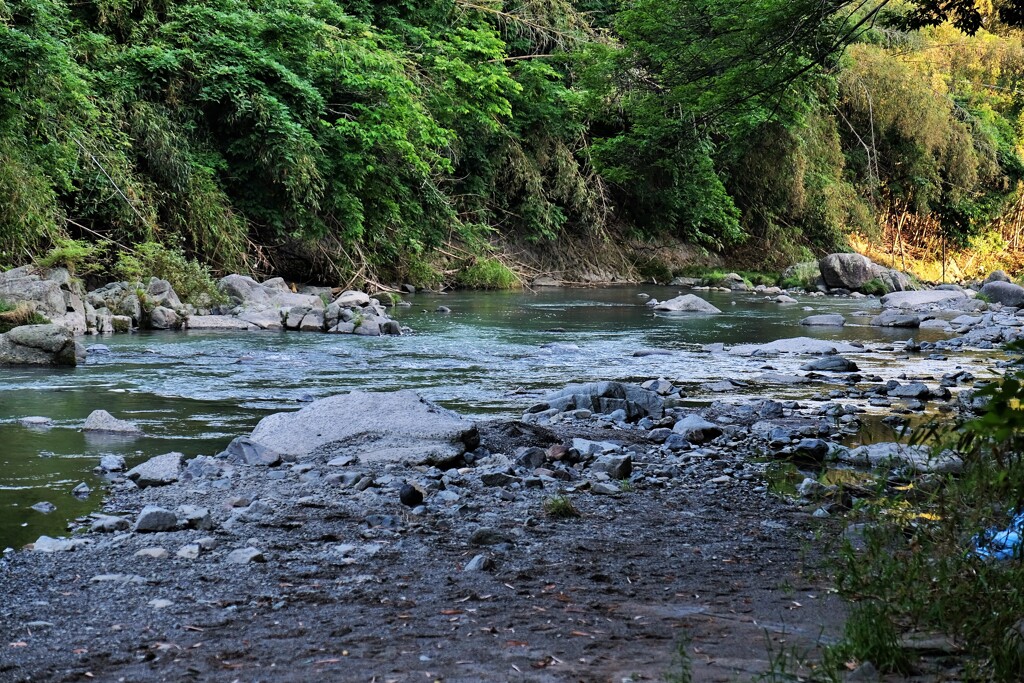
(1005, 293)
(696, 429)
(119, 298)
(103, 422)
(159, 471)
(38, 345)
(824, 320)
(894, 318)
(794, 345)
(853, 271)
(375, 427)
(926, 297)
(885, 455)
(605, 397)
(687, 303)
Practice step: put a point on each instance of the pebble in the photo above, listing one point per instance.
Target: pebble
(245, 556)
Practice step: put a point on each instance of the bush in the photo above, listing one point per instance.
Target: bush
(12, 316)
(560, 507)
(488, 273)
(78, 256)
(875, 286)
(192, 281)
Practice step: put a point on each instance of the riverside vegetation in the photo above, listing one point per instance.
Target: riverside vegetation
(429, 142)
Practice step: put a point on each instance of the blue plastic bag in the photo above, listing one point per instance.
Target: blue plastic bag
(1001, 544)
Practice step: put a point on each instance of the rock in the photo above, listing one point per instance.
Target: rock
(103, 422)
(927, 297)
(375, 427)
(35, 422)
(935, 324)
(814, 450)
(410, 495)
(824, 320)
(350, 298)
(913, 390)
(159, 471)
(45, 544)
(1005, 293)
(219, 322)
(603, 488)
(605, 397)
(81, 491)
(687, 303)
(38, 345)
(244, 451)
(163, 318)
(783, 299)
(153, 553)
(51, 292)
(794, 345)
(195, 517)
(615, 466)
(830, 364)
(112, 463)
(849, 271)
(44, 507)
(892, 318)
(696, 429)
(106, 524)
(159, 603)
(497, 479)
(480, 562)
(488, 536)
(442, 309)
(154, 518)
(997, 276)
(245, 556)
(916, 458)
(189, 551)
(546, 281)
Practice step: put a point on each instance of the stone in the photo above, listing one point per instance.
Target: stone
(927, 297)
(159, 471)
(159, 603)
(106, 524)
(375, 427)
(245, 556)
(103, 422)
(219, 322)
(997, 276)
(687, 303)
(849, 271)
(824, 320)
(615, 466)
(487, 536)
(118, 578)
(605, 397)
(696, 429)
(189, 551)
(38, 345)
(410, 496)
(918, 390)
(603, 488)
(45, 507)
(81, 491)
(368, 328)
(195, 517)
(244, 451)
(45, 544)
(497, 479)
(163, 318)
(830, 364)
(35, 422)
(154, 518)
(893, 318)
(811, 449)
(153, 553)
(350, 298)
(1005, 293)
(806, 345)
(480, 562)
(784, 299)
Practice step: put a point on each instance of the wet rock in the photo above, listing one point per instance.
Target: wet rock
(824, 320)
(410, 495)
(794, 345)
(917, 390)
(245, 556)
(81, 491)
(887, 455)
(159, 471)
(893, 318)
(927, 297)
(35, 421)
(154, 518)
(831, 364)
(111, 463)
(103, 422)
(687, 303)
(45, 507)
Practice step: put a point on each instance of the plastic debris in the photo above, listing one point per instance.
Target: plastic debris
(1005, 544)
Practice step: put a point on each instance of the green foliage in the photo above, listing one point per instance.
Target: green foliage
(191, 280)
(918, 570)
(654, 270)
(488, 273)
(12, 316)
(560, 507)
(78, 256)
(875, 286)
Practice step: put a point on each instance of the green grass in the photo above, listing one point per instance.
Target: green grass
(875, 286)
(488, 273)
(12, 316)
(560, 507)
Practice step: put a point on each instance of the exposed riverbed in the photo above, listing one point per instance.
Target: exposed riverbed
(491, 356)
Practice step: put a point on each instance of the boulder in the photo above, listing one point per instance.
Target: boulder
(916, 458)
(824, 320)
(351, 298)
(219, 322)
(103, 422)
(120, 299)
(926, 297)
(161, 293)
(696, 429)
(997, 276)
(159, 471)
(605, 397)
(163, 318)
(51, 292)
(893, 318)
(154, 518)
(849, 271)
(794, 345)
(375, 427)
(687, 303)
(831, 364)
(245, 451)
(38, 345)
(615, 466)
(1005, 293)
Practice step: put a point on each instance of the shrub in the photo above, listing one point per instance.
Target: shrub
(488, 273)
(875, 286)
(78, 256)
(560, 507)
(12, 316)
(192, 281)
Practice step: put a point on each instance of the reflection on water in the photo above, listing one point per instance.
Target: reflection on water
(193, 392)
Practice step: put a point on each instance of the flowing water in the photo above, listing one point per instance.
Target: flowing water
(493, 355)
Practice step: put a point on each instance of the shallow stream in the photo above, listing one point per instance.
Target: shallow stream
(492, 356)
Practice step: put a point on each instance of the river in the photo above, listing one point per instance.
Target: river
(490, 357)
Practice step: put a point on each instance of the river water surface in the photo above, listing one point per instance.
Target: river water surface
(492, 356)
